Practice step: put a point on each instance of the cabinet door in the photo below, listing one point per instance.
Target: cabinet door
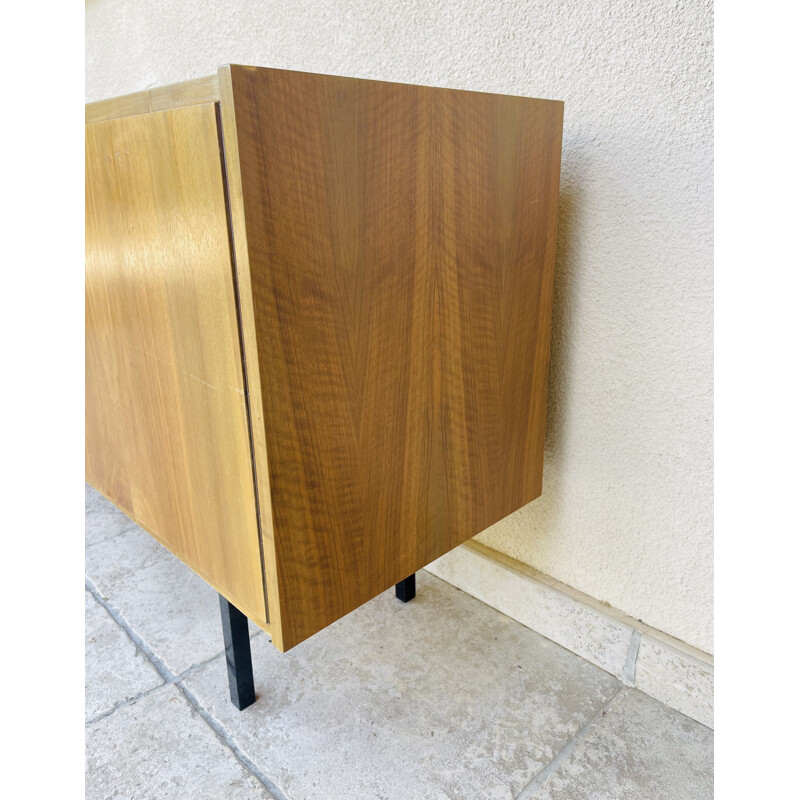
(167, 435)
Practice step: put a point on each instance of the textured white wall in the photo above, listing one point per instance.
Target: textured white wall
(626, 514)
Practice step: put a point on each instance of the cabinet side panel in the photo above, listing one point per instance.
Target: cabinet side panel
(401, 245)
(166, 425)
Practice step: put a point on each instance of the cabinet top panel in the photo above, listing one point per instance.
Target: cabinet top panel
(175, 95)
(161, 98)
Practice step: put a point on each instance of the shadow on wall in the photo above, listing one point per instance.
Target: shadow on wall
(562, 306)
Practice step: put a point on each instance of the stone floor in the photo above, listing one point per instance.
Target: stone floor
(441, 698)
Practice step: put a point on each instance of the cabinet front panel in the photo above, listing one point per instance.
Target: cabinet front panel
(166, 421)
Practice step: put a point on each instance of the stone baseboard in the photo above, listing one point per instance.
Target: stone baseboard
(671, 671)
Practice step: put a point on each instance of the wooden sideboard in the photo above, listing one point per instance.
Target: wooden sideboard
(317, 326)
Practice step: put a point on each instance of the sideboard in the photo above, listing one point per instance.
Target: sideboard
(318, 317)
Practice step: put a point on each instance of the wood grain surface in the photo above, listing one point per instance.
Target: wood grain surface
(159, 98)
(250, 350)
(166, 426)
(399, 242)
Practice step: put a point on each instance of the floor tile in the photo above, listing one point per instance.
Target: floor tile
(173, 610)
(639, 750)
(159, 748)
(440, 698)
(443, 698)
(546, 608)
(103, 520)
(93, 500)
(116, 670)
(122, 558)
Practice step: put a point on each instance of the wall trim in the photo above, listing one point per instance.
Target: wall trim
(671, 671)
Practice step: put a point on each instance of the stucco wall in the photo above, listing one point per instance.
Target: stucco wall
(626, 514)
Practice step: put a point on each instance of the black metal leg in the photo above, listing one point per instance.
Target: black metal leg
(406, 589)
(237, 653)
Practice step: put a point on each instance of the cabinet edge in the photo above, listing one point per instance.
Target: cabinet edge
(161, 98)
(241, 266)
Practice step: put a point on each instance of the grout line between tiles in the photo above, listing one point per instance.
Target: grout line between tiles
(541, 777)
(629, 668)
(177, 680)
(125, 703)
(226, 738)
